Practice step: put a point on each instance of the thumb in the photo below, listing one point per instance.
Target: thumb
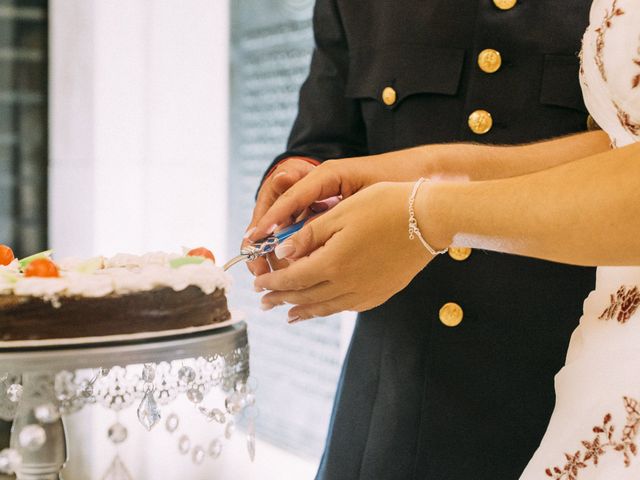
(311, 237)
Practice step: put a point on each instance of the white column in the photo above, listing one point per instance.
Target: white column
(139, 125)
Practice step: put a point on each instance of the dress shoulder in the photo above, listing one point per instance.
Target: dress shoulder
(610, 71)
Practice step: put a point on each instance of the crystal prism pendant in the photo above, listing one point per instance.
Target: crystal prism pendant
(117, 471)
(251, 439)
(148, 411)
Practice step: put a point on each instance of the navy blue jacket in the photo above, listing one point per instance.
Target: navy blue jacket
(418, 399)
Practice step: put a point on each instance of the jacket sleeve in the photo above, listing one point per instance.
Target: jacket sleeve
(328, 125)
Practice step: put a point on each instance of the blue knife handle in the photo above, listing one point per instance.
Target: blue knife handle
(285, 233)
(269, 244)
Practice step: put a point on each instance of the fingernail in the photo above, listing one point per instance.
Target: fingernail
(279, 174)
(284, 250)
(293, 319)
(258, 289)
(248, 233)
(265, 306)
(272, 228)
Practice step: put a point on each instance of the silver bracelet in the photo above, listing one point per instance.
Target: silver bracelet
(414, 231)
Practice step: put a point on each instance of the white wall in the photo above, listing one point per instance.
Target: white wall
(139, 129)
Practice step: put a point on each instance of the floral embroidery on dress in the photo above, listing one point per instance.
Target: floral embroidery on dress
(601, 31)
(635, 81)
(625, 120)
(623, 304)
(602, 443)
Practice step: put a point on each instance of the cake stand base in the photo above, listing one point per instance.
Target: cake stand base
(44, 448)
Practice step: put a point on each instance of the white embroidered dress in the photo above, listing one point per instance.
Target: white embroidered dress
(594, 433)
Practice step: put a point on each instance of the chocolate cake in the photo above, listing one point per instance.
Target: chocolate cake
(122, 295)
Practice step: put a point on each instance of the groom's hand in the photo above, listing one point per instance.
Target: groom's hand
(320, 190)
(283, 176)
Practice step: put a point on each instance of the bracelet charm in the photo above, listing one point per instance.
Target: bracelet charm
(414, 230)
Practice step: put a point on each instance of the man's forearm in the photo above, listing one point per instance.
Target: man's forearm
(486, 162)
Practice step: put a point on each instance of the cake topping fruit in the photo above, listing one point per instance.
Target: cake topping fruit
(182, 261)
(24, 263)
(201, 252)
(41, 267)
(6, 255)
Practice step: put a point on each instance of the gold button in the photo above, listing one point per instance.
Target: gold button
(451, 314)
(389, 96)
(460, 253)
(505, 4)
(480, 122)
(489, 60)
(592, 124)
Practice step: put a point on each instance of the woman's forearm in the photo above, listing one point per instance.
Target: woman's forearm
(586, 212)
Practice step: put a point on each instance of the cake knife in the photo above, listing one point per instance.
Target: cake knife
(266, 245)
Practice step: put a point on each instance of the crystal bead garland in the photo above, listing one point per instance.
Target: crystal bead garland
(213, 414)
(14, 393)
(186, 375)
(215, 448)
(10, 461)
(150, 386)
(198, 455)
(241, 400)
(46, 413)
(117, 433)
(32, 437)
(184, 444)
(117, 471)
(7, 406)
(229, 429)
(172, 423)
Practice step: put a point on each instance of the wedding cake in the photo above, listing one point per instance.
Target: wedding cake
(43, 299)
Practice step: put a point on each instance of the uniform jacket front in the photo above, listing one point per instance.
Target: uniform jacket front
(418, 399)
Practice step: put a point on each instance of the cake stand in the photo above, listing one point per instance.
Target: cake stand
(42, 381)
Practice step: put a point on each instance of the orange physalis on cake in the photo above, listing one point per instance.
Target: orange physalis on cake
(41, 267)
(201, 252)
(6, 255)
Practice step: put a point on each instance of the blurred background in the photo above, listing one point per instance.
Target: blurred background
(141, 125)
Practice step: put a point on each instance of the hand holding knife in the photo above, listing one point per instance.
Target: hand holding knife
(267, 244)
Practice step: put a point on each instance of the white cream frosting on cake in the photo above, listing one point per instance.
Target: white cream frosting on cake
(121, 274)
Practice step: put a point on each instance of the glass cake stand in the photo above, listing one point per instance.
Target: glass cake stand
(41, 382)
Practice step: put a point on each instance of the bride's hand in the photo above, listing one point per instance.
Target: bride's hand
(354, 257)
